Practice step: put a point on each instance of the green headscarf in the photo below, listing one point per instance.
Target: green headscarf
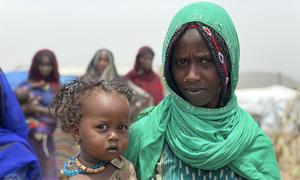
(204, 138)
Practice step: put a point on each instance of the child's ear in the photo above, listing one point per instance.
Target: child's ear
(75, 133)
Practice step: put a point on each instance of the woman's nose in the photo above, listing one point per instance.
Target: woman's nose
(193, 74)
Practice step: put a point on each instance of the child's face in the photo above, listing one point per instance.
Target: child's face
(103, 128)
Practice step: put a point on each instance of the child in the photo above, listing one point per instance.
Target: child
(97, 114)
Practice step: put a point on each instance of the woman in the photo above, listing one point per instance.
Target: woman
(17, 158)
(102, 67)
(143, 75)
(199, 131)
(42, 84)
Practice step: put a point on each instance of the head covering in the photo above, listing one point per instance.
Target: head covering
(142, 51)
(15, 152)
(34, 73)
(148, 81)
(109, 73)
(203, 138)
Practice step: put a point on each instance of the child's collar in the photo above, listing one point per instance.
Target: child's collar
(118, 162)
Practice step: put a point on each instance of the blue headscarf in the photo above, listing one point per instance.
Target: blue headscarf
(15, 151)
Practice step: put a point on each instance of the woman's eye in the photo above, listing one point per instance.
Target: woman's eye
(123, 128)
(206, 61)
(181, 61)
(102, 126)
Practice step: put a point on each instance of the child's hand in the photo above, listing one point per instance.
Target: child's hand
(22, 94)
(35, 100)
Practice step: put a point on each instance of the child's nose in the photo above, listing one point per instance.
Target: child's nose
(113, 135)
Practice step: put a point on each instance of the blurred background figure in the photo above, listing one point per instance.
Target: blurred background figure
(102, 67)
(35, 95)
(17, 158)
(143, 75)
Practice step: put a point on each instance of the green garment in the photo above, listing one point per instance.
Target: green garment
(203, 138)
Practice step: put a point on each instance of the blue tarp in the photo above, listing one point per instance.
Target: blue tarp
(16, 77)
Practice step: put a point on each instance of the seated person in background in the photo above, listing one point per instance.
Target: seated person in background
(35, 95)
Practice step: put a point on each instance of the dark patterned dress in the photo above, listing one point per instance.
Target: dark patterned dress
(170, 167)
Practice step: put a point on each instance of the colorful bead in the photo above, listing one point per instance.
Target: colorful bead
(74, 167)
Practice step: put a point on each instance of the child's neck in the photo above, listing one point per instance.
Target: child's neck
(106, 169)
(87, 160)
(106, 174)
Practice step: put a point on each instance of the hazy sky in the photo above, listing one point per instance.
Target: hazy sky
(74, 29)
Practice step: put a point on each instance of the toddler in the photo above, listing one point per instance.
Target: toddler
(97, 114)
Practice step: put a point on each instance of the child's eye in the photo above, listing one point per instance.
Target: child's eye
(122, 128)
(102, 126)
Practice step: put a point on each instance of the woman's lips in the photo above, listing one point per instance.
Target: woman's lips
(195, 90)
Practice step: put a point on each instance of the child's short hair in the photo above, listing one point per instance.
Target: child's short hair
(66, 106)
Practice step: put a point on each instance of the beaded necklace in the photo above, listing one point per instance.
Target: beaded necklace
(74, 167)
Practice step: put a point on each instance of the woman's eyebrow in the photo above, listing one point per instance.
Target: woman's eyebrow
(203, 54)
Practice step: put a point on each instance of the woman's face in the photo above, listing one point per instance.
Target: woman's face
(45, 66)
(145, 62)
(103, 62)
(194, 70)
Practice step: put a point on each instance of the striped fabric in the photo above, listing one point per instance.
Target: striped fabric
(65, 147)
(170, 167)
